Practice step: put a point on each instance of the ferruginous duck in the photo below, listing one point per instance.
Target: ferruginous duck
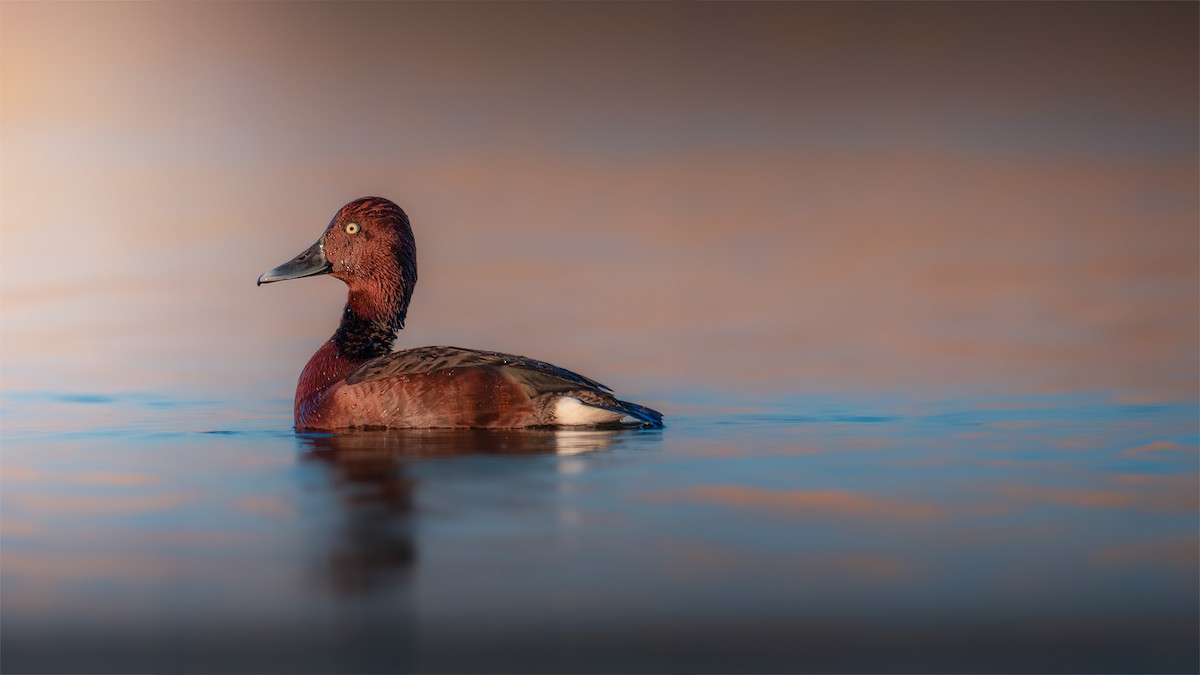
(356, 380)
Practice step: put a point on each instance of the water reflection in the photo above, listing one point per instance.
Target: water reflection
(415, 443)
(784, 539)
(370, 474)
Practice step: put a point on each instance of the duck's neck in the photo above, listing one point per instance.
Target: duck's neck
(358, 339)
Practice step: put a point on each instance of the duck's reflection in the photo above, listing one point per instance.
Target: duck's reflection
(410, 444)
(372, 481)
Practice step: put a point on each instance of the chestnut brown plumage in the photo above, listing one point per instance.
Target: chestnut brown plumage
(355, 380)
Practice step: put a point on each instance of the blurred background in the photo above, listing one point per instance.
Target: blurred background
(744, 199)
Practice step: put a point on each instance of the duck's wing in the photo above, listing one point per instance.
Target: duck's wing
(543, 377)
(559, 396)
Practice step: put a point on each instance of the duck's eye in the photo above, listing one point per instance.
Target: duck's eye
(352, 228)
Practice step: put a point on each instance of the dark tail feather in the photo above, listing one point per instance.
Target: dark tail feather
(646, 417)
(649, 417)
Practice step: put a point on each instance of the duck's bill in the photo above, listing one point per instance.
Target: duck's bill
(308, 264)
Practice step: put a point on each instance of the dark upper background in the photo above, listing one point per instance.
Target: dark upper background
(741, 198)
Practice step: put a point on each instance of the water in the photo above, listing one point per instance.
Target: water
(1051, 533)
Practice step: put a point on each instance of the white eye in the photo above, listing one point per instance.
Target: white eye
(352, 228)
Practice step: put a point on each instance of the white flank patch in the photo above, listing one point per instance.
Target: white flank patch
(569, 411)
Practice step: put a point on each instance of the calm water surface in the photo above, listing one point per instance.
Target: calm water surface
(144, 533)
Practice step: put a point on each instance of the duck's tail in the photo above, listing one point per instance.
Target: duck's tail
(648, 417)
(589, 408)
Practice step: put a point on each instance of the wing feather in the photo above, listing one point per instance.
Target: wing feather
(539, 376)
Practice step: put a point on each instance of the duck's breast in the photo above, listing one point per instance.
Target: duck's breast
(475, 397)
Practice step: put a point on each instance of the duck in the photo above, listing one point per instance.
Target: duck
(356, 381)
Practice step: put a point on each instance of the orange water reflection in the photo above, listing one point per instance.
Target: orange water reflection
(812, 502)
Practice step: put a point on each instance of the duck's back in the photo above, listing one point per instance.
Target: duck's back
(432, 387)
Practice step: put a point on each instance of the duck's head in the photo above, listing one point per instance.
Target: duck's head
(369, 245)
